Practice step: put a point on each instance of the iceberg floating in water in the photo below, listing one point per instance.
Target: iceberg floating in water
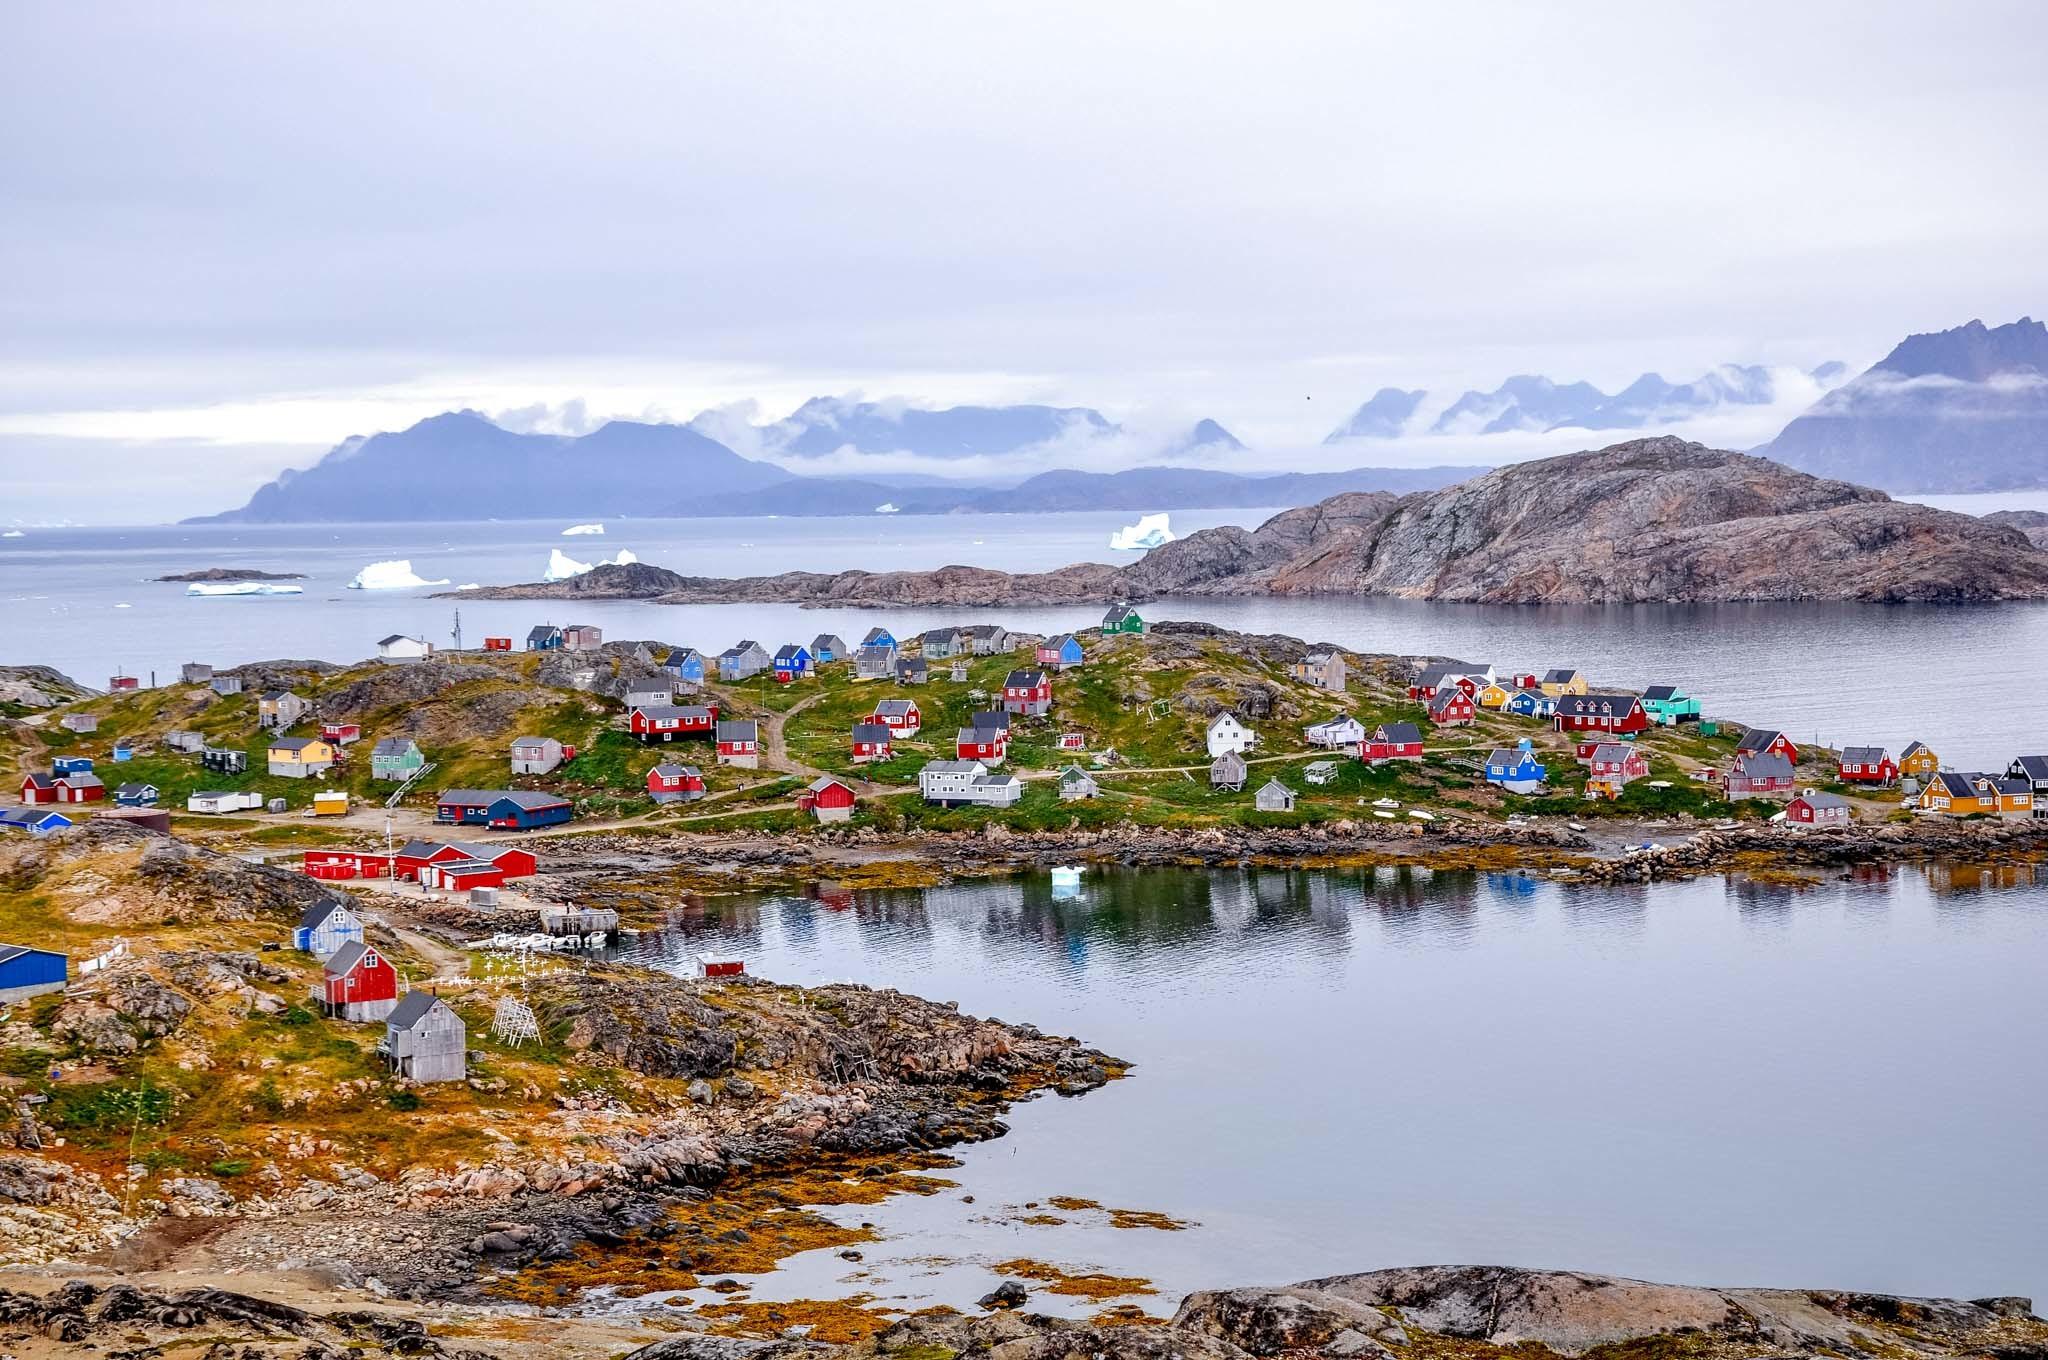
(242, 588)
(469, 585)
(575, 529)
(561, 566)
(1149, 532)
(13, 533)
(396, 575)
(886, 508)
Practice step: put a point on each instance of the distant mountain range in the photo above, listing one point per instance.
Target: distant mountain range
(1956, 410)
(1530, 403)
(461, 466)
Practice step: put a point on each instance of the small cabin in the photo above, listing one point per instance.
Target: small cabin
(671, 783)
(325, 927)
(1062, 653)
(987, 639)
(739, 743)
(341, 733)
(223, 760)
(425, 1040)
(137, 795)
(912, 670)
(357, 983)
(1274, 796)
(400, 647)
(1076, 784)
(720, 965)
(871, 741)
(874, 662)
(225, 685)
(1321, 772)
(1815, 808)
(1562, 680)
(223, 800)
(330, 803)
(988, 745)
(1530, 702)
(1919, 761)
(940, 644)
(581, 637)
(827, 799)
(879, 637)
(536, 755)
(195, 673)
(82, 723)
(497, 644)
(1121, 618)
(666, 722)
(1324, 670)
(122, 684)
(1227, 771)
(1451, 707)
(686, 664)
(649, 693)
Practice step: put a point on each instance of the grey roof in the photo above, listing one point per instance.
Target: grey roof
(1815, 798)
(518, 742)
(1398, 733)
(664, 710)
(2004, 785)
(788, 650)
(292, 743)
(996, 719)
(126, 789)
(1613, 750)
(1074, 774)
(1509, 755)
(1913, 746)
(826, 781)
(1117, 613)
(949, 766)
(739, 729)
(411, 1009)
(828, 642)
(523, 798)
(81, 779)
(1274, 783)
(1028, 677)
(1558, 675)
(905, 664)
(1764, 765)
(872, 732)
(974, 736)
(319, 912)
(541, 630)
(1447, 696)
(346, 957)
(902, 708)
(272, 696)
(393, 746)
(987, 781)
(1228, 758)
(669, 770)
(1582, 705)
(1863, 755)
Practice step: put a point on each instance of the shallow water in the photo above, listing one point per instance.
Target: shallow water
(1712, 1081)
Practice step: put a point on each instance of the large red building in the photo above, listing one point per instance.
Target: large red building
(1618, 715)
(509, 860)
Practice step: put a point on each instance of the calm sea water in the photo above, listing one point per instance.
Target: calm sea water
(1956, 677)
(1706, 1082)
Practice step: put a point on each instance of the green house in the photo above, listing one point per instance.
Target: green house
(396, 758)
(1122, 619)
(1668, 705)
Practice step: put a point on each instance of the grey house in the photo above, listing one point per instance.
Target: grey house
(743, 660)
(1227, 771)
(535, 755)
(424, 1040)
(987, 639)
(195, 673)
(1324, 670)
(1076, 784)
(940, 643)
(912, 670)
(650, 693)
(874, 662)
(1274, 796)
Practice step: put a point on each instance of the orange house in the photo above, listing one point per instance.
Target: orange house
(1919, 761)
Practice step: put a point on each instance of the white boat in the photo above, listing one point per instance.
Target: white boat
(1388, 816)
(1386, 802)
(1419, 815)
(1576, 826)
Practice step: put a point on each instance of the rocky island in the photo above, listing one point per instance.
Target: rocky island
(1650, 520)
(211, 574)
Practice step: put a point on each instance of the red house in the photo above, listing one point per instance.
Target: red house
(1028, 692)
(341, 733)
(739, 743)
(900, 716)
(989, 745)
(1765, 741)
(340, 865)
(460, 875)
(871, 742)
(1618, 715)
(1616, 761)
(511, 861)
(1451, 706)
(359, 983)
(1392, 741)
(666, 722)
(116, 684)
(827, 799)
(1868, 765)
(1814, 808)
(1526, 680)
(496, 644)
(675, 783)
(78, 787)
(38, 788)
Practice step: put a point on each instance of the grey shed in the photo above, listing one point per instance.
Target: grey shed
(425, 1040)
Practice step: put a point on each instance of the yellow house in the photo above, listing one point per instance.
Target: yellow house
(1492, 695)
(299, 757)
(1562, 681)
(1919, 761)
(330, 803)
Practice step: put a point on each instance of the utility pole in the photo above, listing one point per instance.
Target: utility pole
(458, 630)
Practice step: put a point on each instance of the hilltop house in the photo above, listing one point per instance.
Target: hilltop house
(742, 661)
(827, 648)
(739, 743)
(1324, 670)
(1668, 705)
(669, 783)
(396, 759)
(1516, 769)
(879, 637)
(1077, 784)
(874, 662)
(1274, 796)
(987, 639)
(1121, 618)
(339, 734)
(646, 693)
(358, 983)
(544, 637)
(1343, 732)
(581, 637)
(828, 799)
(686, 664)
(1761, 740)
(299, 757)
(325, 927)
(1392, 741)
(900, 716)
(1027, 692)
(226, 685)
(195, 673)
(938, 644)
(1062, 653)
(792, 662)
(399, 647)
(1227, 771)
(666, 722)
(912, 670)
(26, 971)
(497, 644)
(1562, 680)
(536, 755)
(1620, 715)
(81, 723)
(1814, 808)
(871, 742)
(425, 1040)
(1758, 774)
(1867, 765)
(952, 783)
(1226, 733)
(1918, 760)
(1451, 706)
(279, 709)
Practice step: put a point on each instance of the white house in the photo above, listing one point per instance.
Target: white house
(399, 647)
(1226, 733)
(231, 801)
(967, 781)
(1337, 733)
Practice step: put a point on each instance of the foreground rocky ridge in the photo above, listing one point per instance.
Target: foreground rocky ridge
(1479, 1312)
(1651, 520)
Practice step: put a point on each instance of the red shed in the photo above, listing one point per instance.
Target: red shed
(460, 875)
(497, 644)
(871, 741)
(720, 965)
(341, 733)
(675, 783)
(79, 787)
(1814, 808)
(335, 865)
(118, 683)
(1451, 706)
(38, 788)
(827, 799)
(359, 983)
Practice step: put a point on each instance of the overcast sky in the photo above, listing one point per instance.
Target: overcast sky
(233, 234)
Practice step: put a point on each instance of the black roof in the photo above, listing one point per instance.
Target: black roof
(410, 1010)
(1029, 677)
(1399, 733)
(319, 912)
(872, 732)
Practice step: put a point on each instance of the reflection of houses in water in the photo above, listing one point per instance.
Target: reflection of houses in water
(1948, 879)
(831, 896)
(1516, 885)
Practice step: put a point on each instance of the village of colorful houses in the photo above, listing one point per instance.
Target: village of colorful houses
(681, 707)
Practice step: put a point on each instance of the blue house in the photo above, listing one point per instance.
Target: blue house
(71, 765)
(545, 638)
(35, 821)
(506, 809)
(792, 662)
(1063, 652)
(1516, 770)
(1529, 703)
(685, 663)
(326, 927)
(26, 972)
(137, 795)
(879, 637)
(123, 750)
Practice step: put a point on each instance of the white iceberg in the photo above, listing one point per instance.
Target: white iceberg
(886, 508)
(1149, 532)
(396, 575)
(575, 529)
(13, 533)
(561, 566)
(242, 588)
(469, 585)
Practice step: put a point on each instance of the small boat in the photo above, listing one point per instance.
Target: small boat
(1576, 826)
(1382, 812)
(594, 940)
(1386, 802)
(1660, 783)
(1419, 815)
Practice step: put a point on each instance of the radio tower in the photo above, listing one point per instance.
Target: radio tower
(458, 630)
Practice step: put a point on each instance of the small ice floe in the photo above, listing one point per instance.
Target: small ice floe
(886, 508)
(561, 566)
(1149, 532)
(240, 588)
(393, 575)
(124, 605)
(469, 585)
(575, 529)
(13, 533)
